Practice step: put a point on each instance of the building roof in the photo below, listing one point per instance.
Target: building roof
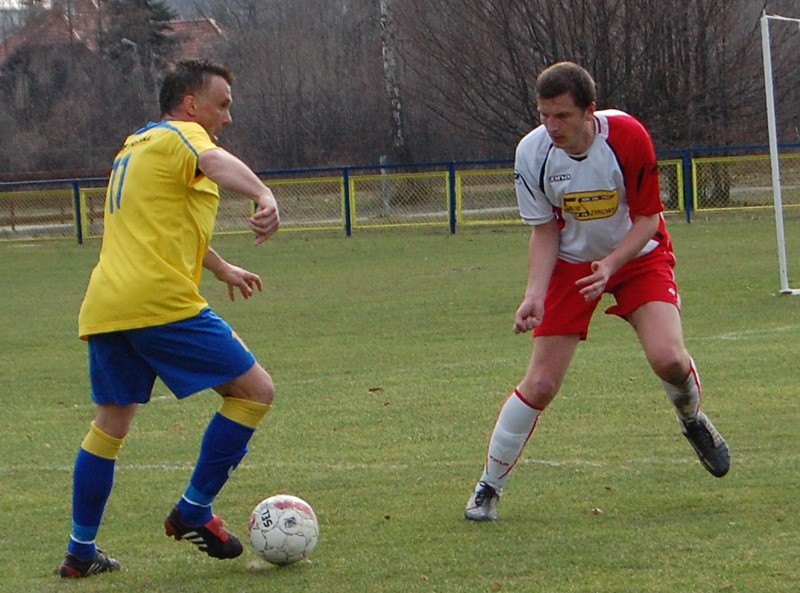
(196, 36)
(83, 23)
(54, 26)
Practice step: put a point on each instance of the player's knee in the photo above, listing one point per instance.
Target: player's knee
(538, 392)
(262, 388)
(671, 367)
(266, 392)
(115, 420)
(255, 385)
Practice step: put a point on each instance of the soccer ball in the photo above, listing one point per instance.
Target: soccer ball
(283, 529)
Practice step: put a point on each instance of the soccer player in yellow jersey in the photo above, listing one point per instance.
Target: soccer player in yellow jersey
(143, 315)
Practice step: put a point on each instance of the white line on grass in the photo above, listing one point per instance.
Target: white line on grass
(748, 333)
(377, 466)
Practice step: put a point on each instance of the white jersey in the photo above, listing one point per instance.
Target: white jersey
(594, 196)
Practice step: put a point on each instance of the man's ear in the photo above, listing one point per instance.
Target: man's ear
(189, 104)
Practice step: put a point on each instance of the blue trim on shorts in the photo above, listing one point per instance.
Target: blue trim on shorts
(190, 355)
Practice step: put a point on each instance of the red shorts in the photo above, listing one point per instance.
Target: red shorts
(643, 280)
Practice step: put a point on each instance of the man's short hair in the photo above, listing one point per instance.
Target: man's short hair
(567, 77)
(188, 77)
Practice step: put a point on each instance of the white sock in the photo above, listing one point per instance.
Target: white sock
(687, 396)
(514, 427)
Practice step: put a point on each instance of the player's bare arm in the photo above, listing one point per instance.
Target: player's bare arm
(643, 229)
(234, 276)
(542, 255)
(228, 171)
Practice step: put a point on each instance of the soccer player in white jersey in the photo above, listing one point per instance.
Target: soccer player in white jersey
(587, 183)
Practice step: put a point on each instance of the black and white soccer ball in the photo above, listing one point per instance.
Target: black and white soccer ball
(283, 529)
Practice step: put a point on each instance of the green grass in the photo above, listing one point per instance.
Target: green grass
(391, 352)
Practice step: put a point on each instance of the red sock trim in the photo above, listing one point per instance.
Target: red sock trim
(526, 402)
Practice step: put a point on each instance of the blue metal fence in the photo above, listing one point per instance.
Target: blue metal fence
(351, 197)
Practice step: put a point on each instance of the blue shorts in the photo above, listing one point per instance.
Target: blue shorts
(188, 356)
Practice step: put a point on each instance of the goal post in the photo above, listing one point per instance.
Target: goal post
(774, 157)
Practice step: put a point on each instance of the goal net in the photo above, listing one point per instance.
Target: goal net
(786, 193)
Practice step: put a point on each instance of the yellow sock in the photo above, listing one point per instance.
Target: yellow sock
(101, 444)
(243, 411)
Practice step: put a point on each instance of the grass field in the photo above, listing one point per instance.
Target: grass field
(391, 352)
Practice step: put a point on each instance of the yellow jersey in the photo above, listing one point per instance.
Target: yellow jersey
(159, 216)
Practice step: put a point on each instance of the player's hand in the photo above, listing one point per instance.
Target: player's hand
(239, 278)
(529, 316)
(266, 219)
(592, 286)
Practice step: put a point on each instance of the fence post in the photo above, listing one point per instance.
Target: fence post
(76, 202)
(688, 186)
(451, 183)
(348, 222)
(386, 192)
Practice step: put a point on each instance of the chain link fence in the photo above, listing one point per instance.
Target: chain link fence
(399, 199)
(670, 174)
(37, 213)
(743, 182)
(486, 196)
(444, 195)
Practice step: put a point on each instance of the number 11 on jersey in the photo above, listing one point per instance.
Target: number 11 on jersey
(114, 192)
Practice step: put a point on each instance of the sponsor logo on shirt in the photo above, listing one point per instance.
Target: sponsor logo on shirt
(560, 177)
(592, 205)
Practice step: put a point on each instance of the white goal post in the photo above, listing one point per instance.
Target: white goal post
(773, 149)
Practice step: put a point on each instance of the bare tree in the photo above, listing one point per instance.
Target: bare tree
(785, 46)
(136, 38)
(63, 117)
(685, 67)
(309, 81)
(332, 82)
(391, 73)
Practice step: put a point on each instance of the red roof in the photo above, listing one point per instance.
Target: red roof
(55, 26)
(196, 36)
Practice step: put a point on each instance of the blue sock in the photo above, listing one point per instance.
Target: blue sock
(224, 445)
(92, 483)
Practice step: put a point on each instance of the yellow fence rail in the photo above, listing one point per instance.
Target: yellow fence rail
(445, 195)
